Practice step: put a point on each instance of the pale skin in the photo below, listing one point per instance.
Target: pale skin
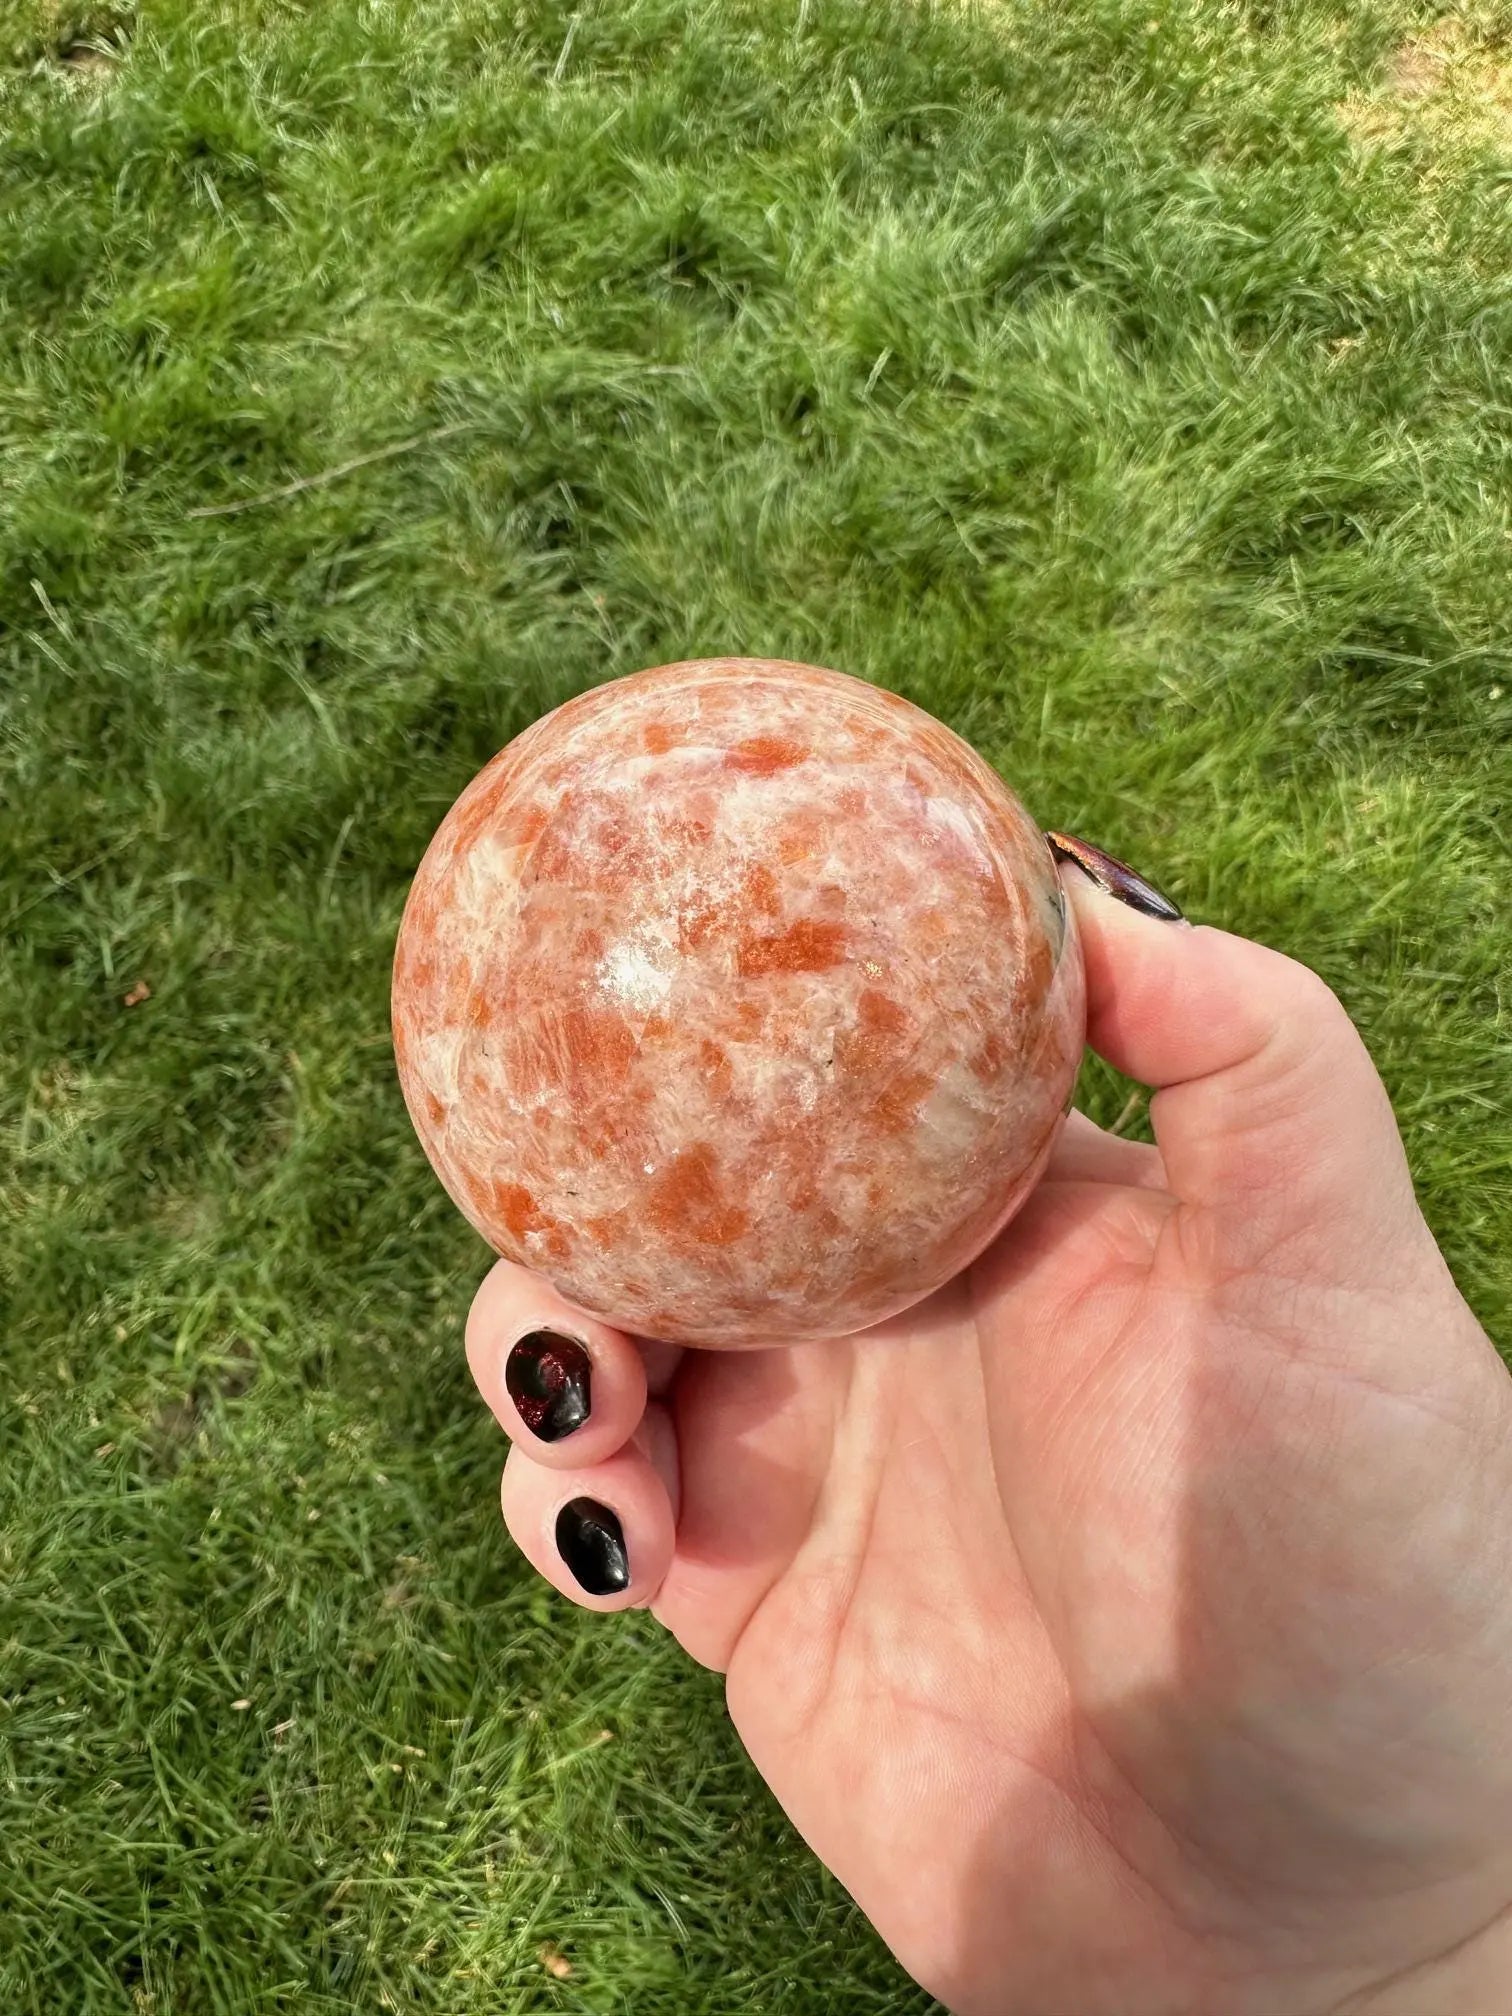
(1129, 1627)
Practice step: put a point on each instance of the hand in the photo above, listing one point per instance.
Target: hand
(1129, 1627)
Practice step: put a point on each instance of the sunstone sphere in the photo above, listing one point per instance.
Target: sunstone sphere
(740, 1000)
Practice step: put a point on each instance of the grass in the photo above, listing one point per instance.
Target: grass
(1127, 384)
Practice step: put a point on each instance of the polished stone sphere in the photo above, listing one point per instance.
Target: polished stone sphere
(740, 1000)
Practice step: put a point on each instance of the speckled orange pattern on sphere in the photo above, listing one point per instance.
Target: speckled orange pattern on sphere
(739, 999)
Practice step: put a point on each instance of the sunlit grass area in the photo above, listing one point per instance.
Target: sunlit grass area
(1126, 384)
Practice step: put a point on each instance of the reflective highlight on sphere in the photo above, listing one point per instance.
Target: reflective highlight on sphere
(739, 999)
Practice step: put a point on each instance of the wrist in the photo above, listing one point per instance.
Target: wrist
(1474, 1979)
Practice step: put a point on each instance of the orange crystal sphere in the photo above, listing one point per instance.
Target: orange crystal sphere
(740, 1000)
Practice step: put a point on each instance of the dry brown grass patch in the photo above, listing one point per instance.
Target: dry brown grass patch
(1450, 86)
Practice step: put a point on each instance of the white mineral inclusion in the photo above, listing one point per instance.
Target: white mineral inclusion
(630, 974)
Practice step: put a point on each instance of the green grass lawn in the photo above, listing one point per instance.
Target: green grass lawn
(1128, 384)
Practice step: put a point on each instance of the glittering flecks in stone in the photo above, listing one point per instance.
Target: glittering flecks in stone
(737, 999)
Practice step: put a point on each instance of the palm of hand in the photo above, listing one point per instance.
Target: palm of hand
(1126, 1626)
(1067, 1618)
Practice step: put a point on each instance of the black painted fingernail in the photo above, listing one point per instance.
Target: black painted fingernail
(1115, 877)
(591, 1541)
(549, 1377)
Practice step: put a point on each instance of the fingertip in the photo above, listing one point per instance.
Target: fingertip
(1266, 1101)
(1084, 866)
(603, 1536)
(1168, 1000)
(566, 1388)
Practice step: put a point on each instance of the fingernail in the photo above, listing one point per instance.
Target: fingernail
(549, 1377)
(1115, 877)
(591, 1541)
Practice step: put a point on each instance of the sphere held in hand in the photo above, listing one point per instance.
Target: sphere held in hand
(739, 1000)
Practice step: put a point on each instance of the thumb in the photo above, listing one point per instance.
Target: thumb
(1269, 1112)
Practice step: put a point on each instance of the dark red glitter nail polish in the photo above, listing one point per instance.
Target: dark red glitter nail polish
(549, 1377)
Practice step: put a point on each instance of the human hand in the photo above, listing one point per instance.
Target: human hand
(1128, 1626)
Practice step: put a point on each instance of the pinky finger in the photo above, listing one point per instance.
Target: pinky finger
(602, 1534)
